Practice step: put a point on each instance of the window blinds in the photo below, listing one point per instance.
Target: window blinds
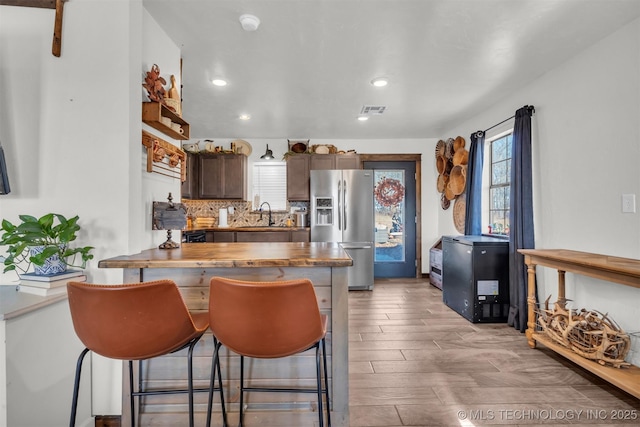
(270, 184)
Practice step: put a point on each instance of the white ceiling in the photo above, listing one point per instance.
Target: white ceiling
(306, 72)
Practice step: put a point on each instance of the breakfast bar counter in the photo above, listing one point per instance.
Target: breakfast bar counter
(191, 266)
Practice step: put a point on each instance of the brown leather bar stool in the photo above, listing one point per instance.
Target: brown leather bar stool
(268, 320)
(136, 321)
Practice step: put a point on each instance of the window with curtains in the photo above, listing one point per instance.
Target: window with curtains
(500, 184)
(270, 184)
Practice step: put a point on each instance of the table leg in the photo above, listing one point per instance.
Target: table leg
(531, 301)
(562, 300)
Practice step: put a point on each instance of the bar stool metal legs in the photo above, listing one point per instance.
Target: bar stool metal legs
(189, 390)
(319, 390)
(215, 367)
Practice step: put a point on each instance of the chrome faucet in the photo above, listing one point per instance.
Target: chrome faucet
(271, 221)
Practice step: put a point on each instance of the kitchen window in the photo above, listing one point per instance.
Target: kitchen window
(270, 184)
(500, 183)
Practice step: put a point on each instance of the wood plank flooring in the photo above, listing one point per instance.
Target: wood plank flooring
(415, 362)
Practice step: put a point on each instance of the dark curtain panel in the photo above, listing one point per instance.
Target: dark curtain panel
(473, 208)
(4, 175)
(521, 222)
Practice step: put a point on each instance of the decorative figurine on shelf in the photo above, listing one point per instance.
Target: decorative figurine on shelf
(168, 216)
(173, 100)
(154, 84)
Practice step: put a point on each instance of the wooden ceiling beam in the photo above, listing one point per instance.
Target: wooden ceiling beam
(43, 4)
(58, 5)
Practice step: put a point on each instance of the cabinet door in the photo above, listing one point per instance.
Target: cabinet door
(298, 177)
(300, 236)
(262, 236)
(210, 176)
(222, 176)
(223, 236)
(233, 176)
(323, 162)
(190, 185)
(347, 161)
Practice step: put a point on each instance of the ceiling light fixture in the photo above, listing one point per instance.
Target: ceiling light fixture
(380, 81)
(219, 82)
(268, 155)
(244, 116)
(249, 22)
(363, 118)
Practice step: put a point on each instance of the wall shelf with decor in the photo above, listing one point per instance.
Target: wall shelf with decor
(164, 158)
(160, 117)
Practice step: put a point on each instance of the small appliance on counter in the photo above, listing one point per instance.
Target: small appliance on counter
(300, 218)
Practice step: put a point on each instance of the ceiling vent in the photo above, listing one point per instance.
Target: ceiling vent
(373, 109)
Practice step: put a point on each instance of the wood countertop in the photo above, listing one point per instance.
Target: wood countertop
(605, 267)
(229, 255)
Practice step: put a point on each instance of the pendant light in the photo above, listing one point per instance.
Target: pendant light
(268, 155)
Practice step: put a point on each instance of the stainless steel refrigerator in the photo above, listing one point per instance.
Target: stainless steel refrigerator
(342, 211)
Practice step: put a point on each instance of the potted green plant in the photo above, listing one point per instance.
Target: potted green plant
(43, 242)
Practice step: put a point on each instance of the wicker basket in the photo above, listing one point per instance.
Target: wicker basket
(460, 157)
(458, 143)
(443, 180)
(458, 179)
(440, 148)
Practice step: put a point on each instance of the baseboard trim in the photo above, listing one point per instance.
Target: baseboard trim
(107, 421)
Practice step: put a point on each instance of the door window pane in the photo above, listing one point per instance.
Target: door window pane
(389, 199)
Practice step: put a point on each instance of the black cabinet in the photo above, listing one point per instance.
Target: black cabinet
(475, 277)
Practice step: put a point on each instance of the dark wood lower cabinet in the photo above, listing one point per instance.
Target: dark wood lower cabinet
(263, 236)
(223, 236)
(282, 235)
(300, 236)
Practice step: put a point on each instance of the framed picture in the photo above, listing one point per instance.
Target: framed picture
(298, 145)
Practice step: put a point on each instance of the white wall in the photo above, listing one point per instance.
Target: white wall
(70, 128)
(586, 147)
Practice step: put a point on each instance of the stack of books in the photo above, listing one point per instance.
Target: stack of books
(56, 284)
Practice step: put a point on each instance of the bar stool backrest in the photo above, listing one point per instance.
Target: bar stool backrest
(131, 321)
(265, 319)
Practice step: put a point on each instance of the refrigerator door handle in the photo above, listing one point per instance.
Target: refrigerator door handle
(344, 205)
(347, 246)
(339, 205)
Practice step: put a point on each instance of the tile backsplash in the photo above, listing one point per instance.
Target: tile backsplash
(243, 214)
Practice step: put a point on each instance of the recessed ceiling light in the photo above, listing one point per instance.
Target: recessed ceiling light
(363, 118)
(380, 81)
(219, 82)
(244, 117)
(249, 22)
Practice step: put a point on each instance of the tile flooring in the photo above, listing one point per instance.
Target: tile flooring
(415, 362)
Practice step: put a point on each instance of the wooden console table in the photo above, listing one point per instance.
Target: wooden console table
(625, 271)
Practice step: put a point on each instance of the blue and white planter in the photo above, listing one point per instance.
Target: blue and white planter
(53, 265)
